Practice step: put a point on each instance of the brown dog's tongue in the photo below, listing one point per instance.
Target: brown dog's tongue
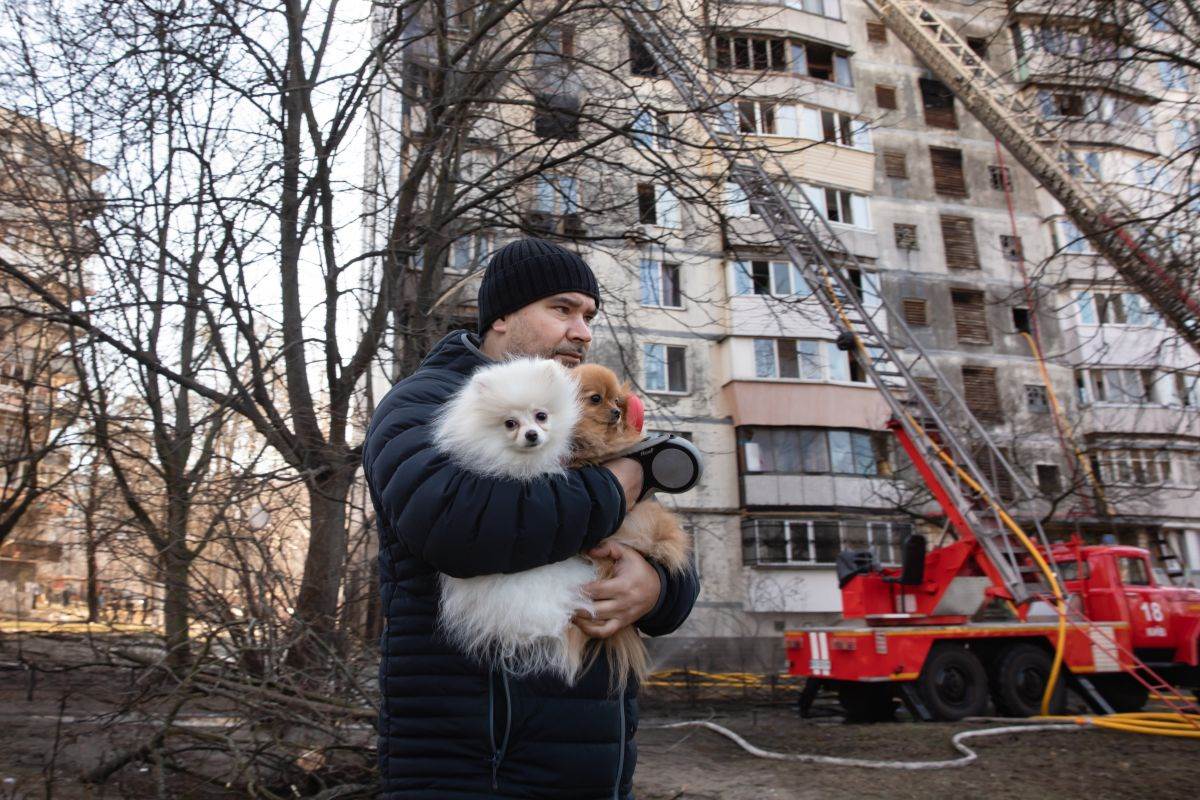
(635, 411)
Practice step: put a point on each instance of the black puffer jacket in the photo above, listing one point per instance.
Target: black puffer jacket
(450, 728)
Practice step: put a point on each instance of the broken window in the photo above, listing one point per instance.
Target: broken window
(556, 116)
(876, 32)
(751, 52)
(938, 102)
(1048, 479)
(1021, 320)
(998, 177)
(906, 235)
(885, 96)
(641, 61)
(822, 62)
(1036, 398)
(1010, 247)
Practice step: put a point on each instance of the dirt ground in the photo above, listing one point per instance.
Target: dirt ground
(66, 729)
(697, 764)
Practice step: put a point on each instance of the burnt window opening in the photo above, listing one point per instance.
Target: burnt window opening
(641, 61)
(1021, 323)
(764, 54)
(1037, 399)
(1048, 479)
(999, 177)
(820, 61)
(885, 96)
(647, 207)
(906, 236)
(938, 102)
(1010, 247)
(1069, 104)
(556, 116)
(877, 33)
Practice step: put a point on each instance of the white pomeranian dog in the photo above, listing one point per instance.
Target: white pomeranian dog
(515, 420)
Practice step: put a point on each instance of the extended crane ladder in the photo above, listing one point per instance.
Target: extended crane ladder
(1140, 255)
(1041, 151)
(816, 250)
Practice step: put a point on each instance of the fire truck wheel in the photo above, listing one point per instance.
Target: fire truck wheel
(953, 684)
(1019, 681)
(1122, 692)
(867, 702)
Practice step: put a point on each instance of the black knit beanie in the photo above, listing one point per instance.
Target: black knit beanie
(527, 270)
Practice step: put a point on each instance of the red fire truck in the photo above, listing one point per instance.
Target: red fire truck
(923, 634)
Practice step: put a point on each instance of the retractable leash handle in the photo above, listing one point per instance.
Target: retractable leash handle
(670, 463)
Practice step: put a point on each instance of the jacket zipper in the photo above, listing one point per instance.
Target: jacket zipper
(616, 794)
(498, 753)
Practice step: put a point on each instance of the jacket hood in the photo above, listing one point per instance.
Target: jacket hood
(458, 351)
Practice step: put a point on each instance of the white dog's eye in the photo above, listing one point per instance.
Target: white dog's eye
(541, 416)
(511, 424)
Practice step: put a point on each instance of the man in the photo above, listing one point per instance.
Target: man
(451, 728)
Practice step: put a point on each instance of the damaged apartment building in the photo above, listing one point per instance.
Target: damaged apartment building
(711, 322)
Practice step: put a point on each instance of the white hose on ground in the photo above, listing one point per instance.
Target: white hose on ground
(968, 755)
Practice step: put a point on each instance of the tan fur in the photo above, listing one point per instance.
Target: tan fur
(648, 527)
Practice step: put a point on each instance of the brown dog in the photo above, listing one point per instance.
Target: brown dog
(602, 432)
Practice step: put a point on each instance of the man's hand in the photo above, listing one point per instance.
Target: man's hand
(622, 599)
(628, 473)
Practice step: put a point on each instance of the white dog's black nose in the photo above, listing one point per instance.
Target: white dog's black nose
(531, 436)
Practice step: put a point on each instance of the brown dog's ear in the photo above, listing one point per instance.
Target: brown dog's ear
(625, 390)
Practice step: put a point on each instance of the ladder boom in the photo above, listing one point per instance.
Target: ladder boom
(883, 345)
(1140, 255)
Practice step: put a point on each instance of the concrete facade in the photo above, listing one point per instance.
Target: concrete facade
(798, 460)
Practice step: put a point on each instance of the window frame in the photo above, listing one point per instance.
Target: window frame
(666, 362)
(831, 361)
(661, 266)
(801, 545)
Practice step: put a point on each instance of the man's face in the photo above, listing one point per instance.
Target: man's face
(555, 327)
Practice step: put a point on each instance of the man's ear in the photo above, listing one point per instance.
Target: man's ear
(499, 325)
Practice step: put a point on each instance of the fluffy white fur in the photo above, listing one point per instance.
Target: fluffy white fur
(471, 427)
(519, 621)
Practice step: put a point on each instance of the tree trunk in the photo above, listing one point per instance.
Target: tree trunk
(90, 556)
(175, 564)
(317, 601)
